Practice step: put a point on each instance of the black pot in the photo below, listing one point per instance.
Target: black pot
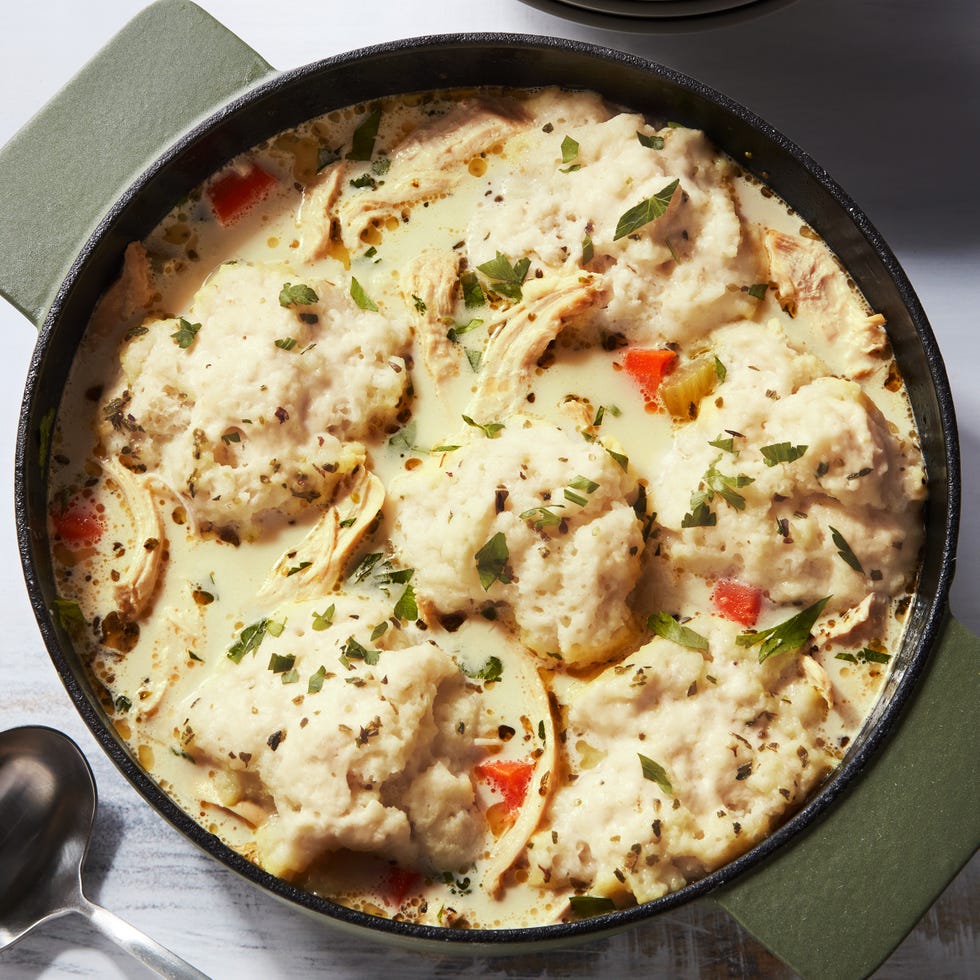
(875, 828)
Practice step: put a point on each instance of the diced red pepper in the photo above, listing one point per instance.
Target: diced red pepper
(509, 777)
(235, 193)
(398, 884)
(79, 523)
(647, 366)
(737, 601)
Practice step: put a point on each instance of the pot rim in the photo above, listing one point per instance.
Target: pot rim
(931, 609)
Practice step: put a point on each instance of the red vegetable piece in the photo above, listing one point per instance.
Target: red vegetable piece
(647, 366)
(509, 777)
(398, 884)
(737, 601)
(235, 193)
(79, 523)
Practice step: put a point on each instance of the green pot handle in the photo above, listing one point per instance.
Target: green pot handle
(168, 67)
(837, 902)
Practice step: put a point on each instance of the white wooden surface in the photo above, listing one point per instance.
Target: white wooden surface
(883, 93)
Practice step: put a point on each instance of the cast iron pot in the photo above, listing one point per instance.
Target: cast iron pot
(839, 884)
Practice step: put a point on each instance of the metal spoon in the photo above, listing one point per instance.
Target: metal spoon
(47, 806)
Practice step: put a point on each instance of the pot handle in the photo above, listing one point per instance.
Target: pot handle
(168, 67)
(839, 900)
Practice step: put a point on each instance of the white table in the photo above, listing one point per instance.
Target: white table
(883, 93)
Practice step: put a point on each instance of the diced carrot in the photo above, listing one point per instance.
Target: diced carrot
(737, 601)
(509, 777)
(647, 366)
(398, 884)
(235, 193)
(79, 523)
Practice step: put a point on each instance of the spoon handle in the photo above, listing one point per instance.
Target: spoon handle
(148, 951)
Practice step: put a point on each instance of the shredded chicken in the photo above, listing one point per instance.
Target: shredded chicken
(859, 624)
(135, 587)
(316, 222)
(127, 300)
(520, 337)
(316, 566)
(431, 279)
(431, 162)
(808, 280)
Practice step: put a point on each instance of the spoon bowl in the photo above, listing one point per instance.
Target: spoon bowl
(47, 808)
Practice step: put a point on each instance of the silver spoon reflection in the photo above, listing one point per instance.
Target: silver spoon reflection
(47, 806)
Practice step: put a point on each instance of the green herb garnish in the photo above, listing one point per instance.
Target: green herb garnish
(651, 142)
(322, 620)
(248, 640)
(296, 295)
(506, 279)
(492, 670)
(419, 304)
(539, 517)
(588, 250)
(406, 607)
(490, 430)
(646, 211)
(758, 291)
(472, 290)
(315, 684)
(69, 613)
(781, 452)
(360, 297)
(352, 650)
(286, 343)
(655, 773)
(458, 329)
(787, 637)
(475, 357)
(362, 141)
(844, 550)
(491, 561)
(280, 663)
(663, 624)
(186, 332)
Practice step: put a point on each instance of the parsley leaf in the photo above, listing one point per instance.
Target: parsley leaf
(475, 356)
(362, 142)
(406, 607)
(458, 329)
(352, 650)
(646, 211)
(322, 620)
(844, 550)
(651, 142)
(490, 430)
(663, 624)
(491, 561)
(588, 250)
(248, 640)
(492, 670)
(569, 149)
(286, 343)
(185, 333)
(787, 637)
(296, 295)
(781, 452)
(867, 655)
(655, 773)
(69, 613)
(583, 483)
(360, 297)
(419, 304)
(472, 290)
(280, 663)
(506, 279)
(539, 517)
(316, 680)
(758, 291)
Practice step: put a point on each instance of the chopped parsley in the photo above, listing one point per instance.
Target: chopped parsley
(663, 624)
(715, 483)
(296, 295)
(286, 343)
(379, 630)
(569, 151)
(248, 640)
(650, 142)
(280, 663)
(506, 279)
(588, 250)
(492, 670)
(458, 329)
(186, 332)
(781, 452)
(122, 704)
(315, 684)
(352, 650)
(844, 550)
(787, 637)
(575, 498)
(491, 561)
(419, 304)
(539, 517)
(758, 291)
(475, 357)
(472, 290)
(323, 620)
(655, 773)
(583, 483)
(362, 142)
(406, 607)
(491, 430)
(867, 655)
(646, 211)
(298, 568)
(360, 297)
(69, 613)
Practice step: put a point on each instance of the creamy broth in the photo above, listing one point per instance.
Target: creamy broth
(498, 518)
